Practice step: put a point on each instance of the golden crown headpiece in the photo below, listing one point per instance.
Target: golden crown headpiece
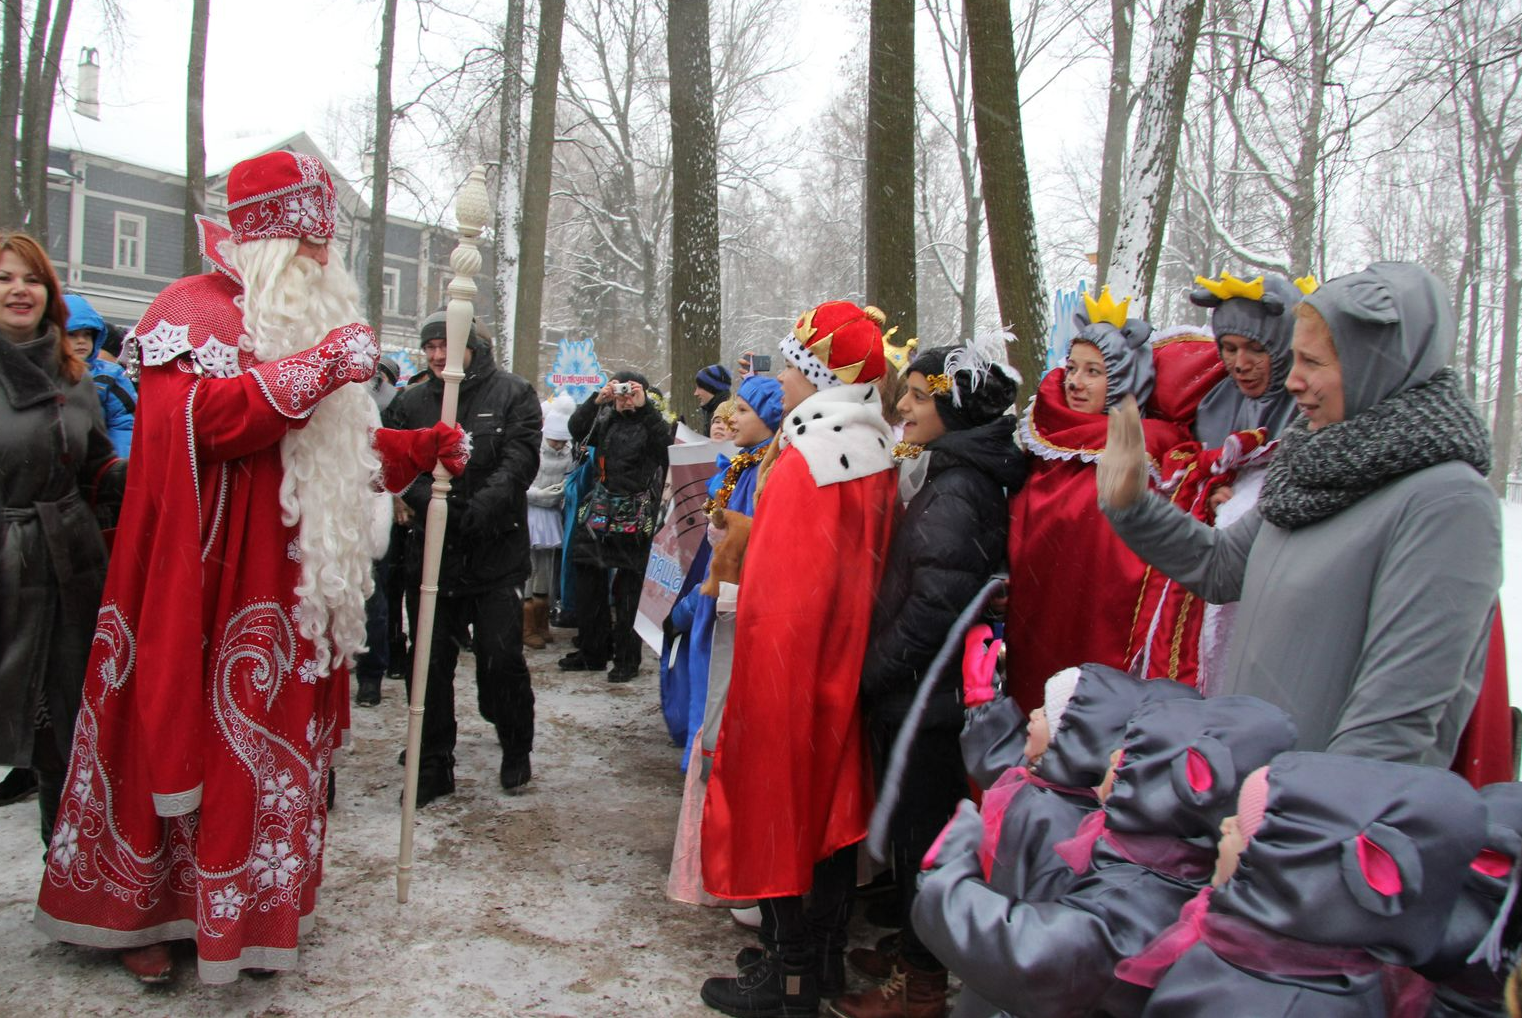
(1228, 286)
(1307, 284)
(1105, 309)
(899, 356)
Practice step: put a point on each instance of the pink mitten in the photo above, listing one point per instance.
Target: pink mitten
(980, 659)
(406, 453)
(962, 834)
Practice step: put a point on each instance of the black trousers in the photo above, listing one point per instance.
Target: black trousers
(372, 665)
(503, 688)
(797, 929)
(935, 780)
(606, 630)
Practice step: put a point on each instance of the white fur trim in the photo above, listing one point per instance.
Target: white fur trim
(814, 369)
(1031, 440)
(841, 433)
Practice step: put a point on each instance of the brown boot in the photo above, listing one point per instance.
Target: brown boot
(542, 619)
(531, 637)
(908, 993)
(876, 962)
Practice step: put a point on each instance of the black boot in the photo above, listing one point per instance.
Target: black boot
(368, 693)
(765, 989)
(20, 783)
(576, 661)
(515, 773)
(435, 780)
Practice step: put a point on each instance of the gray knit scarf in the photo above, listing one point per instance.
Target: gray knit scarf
(1316, 474)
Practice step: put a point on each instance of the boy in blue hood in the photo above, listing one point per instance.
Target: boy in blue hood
(118, 396)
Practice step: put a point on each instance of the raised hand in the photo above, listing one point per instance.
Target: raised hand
(1122, 473)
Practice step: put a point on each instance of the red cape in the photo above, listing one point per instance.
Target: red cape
(791, 780)
(1485, 753)
(1074, 586)
(195, 802)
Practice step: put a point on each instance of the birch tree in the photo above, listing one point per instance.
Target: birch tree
(195, 137)
(509, 209)
(380, 177)
(1154, 149)
(44, 51)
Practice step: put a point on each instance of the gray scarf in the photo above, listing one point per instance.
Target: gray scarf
(1316, 474)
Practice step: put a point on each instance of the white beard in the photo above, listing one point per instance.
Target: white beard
(328, 486)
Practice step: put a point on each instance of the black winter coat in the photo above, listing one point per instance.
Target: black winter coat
(630, 458)
(486, 541)
(947, 544)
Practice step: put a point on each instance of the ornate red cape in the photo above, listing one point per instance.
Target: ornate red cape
(1074, 586)
(791, 780)
(195, 801)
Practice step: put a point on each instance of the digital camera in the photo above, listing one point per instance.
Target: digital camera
(623, 388)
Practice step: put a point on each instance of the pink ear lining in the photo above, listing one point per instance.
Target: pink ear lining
(1378, 868)
(1201, 777)
(1491, 863)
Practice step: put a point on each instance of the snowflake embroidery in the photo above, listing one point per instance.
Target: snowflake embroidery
(308, 672)
(293, 550)
(314, 836)
(227, 903)
(296, 614)
(274, 864)
(82, 778)
(281, 793)
(65, 847)
(311, 730)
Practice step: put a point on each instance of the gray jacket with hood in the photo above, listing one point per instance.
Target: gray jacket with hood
(1370, 626)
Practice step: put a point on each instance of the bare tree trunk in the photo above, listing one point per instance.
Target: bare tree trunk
(10, 114)
(1154, 151)
(695, 292)
(195, 137)
(1303, 204)
(890, 195)
(36, 51)
(1006, 184)
(1505, 430)
(380, 178)
(536, 190)
(509, 182)
(34, 133)
(1117, 119)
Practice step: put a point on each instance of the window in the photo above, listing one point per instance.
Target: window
(391, 291)
(131, 241)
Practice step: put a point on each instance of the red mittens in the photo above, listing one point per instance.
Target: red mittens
(405, 454)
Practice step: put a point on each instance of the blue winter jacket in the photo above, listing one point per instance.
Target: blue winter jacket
(118, 396)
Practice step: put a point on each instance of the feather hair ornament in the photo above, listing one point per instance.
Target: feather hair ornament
(984, 354)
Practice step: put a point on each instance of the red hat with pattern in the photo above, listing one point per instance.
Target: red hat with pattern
(280, 194)
(838, 343)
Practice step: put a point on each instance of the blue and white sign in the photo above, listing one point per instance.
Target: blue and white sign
(1065, 304)
(576, 371)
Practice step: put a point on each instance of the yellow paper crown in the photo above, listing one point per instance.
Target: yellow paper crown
(899, 356)
(1307, 284)
(1228, 286)
(1105, 309)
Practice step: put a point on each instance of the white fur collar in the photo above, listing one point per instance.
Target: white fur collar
(841, 433)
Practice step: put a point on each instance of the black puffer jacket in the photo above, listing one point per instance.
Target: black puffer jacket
(630, 458)
(950, 540)
(486, 542)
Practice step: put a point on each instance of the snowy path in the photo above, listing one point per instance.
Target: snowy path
(546, 903)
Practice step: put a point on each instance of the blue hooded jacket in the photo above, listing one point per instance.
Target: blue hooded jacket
(118, 396)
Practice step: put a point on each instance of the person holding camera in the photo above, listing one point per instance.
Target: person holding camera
(615, 521)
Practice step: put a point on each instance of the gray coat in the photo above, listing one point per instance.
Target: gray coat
(1370, 626)
(54, 453)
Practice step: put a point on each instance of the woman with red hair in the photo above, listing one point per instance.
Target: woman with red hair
(55, 460)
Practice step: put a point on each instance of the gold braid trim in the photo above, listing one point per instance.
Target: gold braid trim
(907, 451)
(737, 466)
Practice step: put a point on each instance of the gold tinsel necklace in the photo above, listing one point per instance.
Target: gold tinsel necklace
(737, 466)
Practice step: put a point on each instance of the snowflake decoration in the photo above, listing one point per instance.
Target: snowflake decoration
(274, 864)
(309, 672)
(82, 777)
(227, 903)
(311, 730)
(281, 793)
(65, 848)
(576, 371)
(293, 550)
(314, 836)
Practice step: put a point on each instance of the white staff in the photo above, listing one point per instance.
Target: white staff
(471, 211)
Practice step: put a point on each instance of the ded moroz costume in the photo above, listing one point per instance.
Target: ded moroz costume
(217, 689)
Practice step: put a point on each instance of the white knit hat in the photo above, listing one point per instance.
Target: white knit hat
(557, 417)
(1059, 690)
